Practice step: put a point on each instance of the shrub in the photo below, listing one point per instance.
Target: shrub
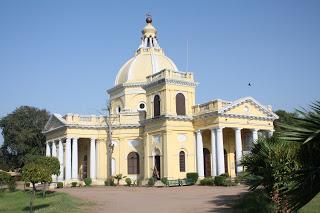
(128, 181)
(4, 178)
(224, 175)
(109, 182)
(87, 181)
(229, 182)
(219, 180)
(12, 184)
(193, 176)
(164, 180)
(59, 185)
(207, 182)
(151, 181)
(119, 177)
(74, 184)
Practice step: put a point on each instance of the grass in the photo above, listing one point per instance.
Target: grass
(312, 206)
(18, 201)
(257, 202)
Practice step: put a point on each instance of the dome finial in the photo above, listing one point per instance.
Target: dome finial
(149, 18)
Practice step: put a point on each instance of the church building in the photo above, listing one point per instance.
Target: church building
(157, 128)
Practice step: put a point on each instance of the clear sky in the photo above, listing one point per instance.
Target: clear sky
(63, 55)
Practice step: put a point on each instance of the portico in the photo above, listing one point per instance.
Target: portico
(73, 153)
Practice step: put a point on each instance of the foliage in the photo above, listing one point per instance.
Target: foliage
(35, 173)
(17, 202)
(52, 163)
(219, 180)
(305, 131)
(193, 176)
(164, 180)
(109, 182)
(119, 177)
(284, 118)
(270, 165)
(74, 184)
(22, 133)
(128, 181)
(12, 184)
(4, 178)
(255, 201)
(151, 181)
(60, 185)
(87, 181)
(207, 182)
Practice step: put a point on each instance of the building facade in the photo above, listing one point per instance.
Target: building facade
(157, 128)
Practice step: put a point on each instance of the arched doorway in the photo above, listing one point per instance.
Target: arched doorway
(225, 161)
(206, 162)
(157, 165)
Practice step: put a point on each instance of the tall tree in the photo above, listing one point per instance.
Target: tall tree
(284, 118)
(22, 133)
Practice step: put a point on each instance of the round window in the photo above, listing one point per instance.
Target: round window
(142, 106)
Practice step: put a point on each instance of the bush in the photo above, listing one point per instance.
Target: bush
(109, 182)
(87, 181)
(12, 184)
(4, 178)
(164, 180)
(229, 182)
(74, 184)
(151, 181)
(128, 181)
(224, 175)
(219, 180)
(193, 176)
(59, 185)
(207, 182)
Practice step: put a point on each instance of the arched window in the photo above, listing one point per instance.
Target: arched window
(180, 104)
(133, 163)
(182, 161)
(156, 105)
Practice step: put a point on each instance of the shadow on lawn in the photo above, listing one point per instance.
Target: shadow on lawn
(224, 203)
(36, 207)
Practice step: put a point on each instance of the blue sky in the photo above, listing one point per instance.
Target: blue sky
(64, 55)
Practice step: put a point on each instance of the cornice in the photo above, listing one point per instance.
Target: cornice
(170, 81)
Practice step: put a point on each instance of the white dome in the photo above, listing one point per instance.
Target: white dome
(149, 59)
(145, 63)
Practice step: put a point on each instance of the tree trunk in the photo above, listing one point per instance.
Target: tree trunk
(32, 197)
(44, 190)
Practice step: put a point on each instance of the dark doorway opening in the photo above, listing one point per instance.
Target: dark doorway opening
(206, 162)
(157, 166)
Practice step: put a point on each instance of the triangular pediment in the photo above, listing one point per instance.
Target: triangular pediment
(247, 106)
(55, 121)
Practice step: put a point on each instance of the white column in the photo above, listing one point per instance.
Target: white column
(254, 135)
(93, 158)
(60, 155)
(220, 151)
(48, 149)
(200, 165)
(213, 153)
(54, 149)
(68, 158)
(238, 149)
(75, 158)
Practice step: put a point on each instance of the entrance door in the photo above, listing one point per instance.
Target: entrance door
(84, 168)
(226, 162)
(207, 162)
(157, 166)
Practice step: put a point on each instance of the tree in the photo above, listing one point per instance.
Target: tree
(305, 131)
(284, 118)
(35, 173)
(270, 166)
(22, 133)
(52, 164)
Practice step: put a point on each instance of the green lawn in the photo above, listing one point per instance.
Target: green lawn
(257, 202)
(18, 201)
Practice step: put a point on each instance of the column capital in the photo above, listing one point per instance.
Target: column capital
(75, 138)
(254, 130)
(237, 128)
(93, 139)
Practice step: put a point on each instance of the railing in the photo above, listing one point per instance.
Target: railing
(166, 73)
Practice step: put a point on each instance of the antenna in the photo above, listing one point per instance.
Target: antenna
(187, 66)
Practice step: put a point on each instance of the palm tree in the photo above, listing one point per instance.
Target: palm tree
(305, 132)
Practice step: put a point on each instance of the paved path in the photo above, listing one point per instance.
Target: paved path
(187, 199)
